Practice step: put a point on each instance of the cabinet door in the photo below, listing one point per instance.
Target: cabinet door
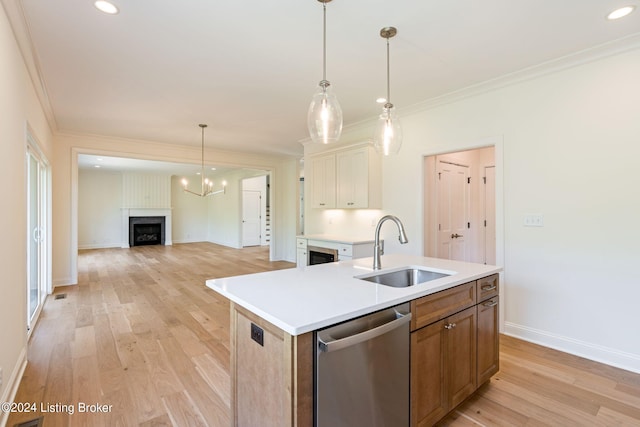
(301, 258)
(488, 340)
(428, 367)
(353, 179)
(323, 192)
(461, 355)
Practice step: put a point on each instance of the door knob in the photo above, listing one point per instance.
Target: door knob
(455, 236)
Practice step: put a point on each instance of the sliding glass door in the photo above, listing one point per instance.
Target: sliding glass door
(37, 215)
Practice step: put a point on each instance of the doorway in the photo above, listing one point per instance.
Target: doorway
(255, 211)
(38, 218)
(251, 218)
(460, 206)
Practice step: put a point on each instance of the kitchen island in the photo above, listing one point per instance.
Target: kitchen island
(274, 316)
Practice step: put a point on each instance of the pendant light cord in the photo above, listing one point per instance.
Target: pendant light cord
(388, 76)
(324, 41)
(202, 161)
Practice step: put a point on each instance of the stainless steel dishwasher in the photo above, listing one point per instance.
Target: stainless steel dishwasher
(362, 371)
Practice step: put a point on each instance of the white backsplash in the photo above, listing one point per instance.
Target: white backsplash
(356, 223)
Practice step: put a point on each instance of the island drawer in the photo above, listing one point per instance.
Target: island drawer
(487, 287)
(434, 307)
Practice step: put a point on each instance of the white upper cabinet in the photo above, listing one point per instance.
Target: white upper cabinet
(347, 179)
(323, 194)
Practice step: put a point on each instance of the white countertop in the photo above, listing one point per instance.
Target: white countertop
(303, 299)
(336, 239)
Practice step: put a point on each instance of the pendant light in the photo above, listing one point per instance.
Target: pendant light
(388, 136)
(324, 118)
(206, 185)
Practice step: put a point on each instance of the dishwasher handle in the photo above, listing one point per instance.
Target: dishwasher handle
(364, 336)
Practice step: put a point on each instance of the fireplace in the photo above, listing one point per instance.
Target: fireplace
(146, 230)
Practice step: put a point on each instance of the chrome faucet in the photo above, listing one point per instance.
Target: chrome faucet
(376, 247)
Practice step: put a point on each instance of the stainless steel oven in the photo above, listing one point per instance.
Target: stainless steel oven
(318, 255)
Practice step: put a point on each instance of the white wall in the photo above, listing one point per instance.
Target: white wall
(19, 108)
(189, 213)
(567, 148)
(99, 213)
(225, 214)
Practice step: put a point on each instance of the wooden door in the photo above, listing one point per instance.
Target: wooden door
(461, 355)
(453, 211)
(490, 215)
(251, 219)
(428, 367)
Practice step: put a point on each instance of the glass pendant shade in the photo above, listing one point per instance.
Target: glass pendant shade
(324, 118)
(387, 138)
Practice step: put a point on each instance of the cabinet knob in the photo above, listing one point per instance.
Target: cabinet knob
(450, 326)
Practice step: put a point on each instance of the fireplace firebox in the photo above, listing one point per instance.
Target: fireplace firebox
(146, 230)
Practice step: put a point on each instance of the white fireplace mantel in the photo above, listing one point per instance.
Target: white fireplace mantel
(128, 212)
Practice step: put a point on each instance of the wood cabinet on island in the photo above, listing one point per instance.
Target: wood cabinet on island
(274, 316)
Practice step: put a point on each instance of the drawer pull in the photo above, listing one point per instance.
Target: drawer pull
(489, 287)
(450, 326)
(490, 303)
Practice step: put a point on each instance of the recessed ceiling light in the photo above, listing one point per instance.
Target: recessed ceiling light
(106, 7)
(97, 166)
(620, 13)
(381, 100)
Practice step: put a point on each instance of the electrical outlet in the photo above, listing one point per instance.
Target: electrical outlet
(534, 220)
(257, 334)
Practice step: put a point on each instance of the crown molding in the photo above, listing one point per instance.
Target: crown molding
(585, 56)
(575, 59)
(22, 34)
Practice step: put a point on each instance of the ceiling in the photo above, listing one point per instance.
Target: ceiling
(249, 68)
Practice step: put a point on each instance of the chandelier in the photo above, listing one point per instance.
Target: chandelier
(206, 185)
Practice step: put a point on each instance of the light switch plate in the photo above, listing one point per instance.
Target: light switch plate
(534, 220)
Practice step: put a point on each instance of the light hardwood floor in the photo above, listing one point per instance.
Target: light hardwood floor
(141, 333)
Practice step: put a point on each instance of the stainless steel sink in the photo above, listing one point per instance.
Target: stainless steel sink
(405, 277)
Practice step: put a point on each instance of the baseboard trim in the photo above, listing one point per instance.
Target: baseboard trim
(63, 282)
(99, 246)
(602, 354)
(12, 385)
